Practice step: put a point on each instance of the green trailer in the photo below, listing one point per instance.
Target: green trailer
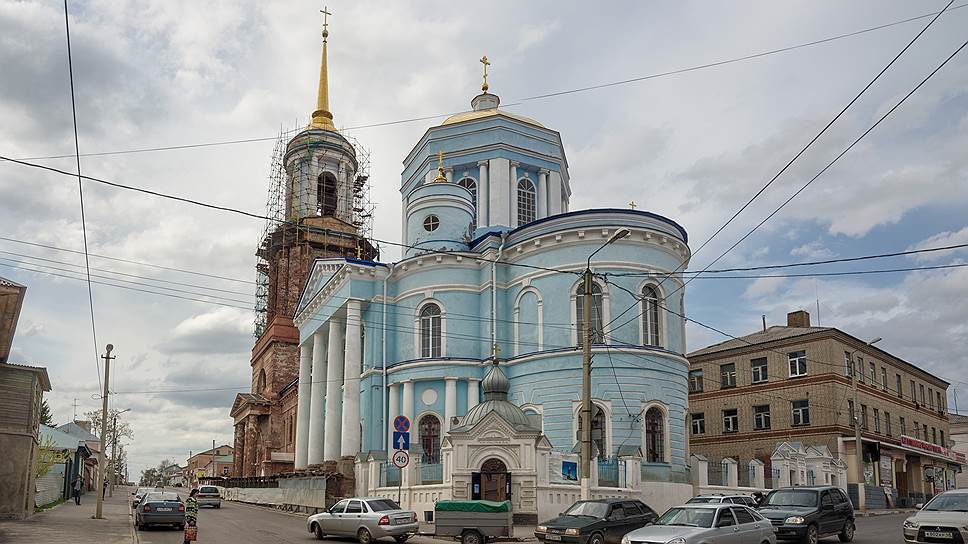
(473, 522)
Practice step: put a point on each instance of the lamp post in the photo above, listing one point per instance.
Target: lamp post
(858, 449)
(114, 450)
(586, 371)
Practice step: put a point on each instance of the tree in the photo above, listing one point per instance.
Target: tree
(46, 415)
(47, 456)
(149, 478)
(123, 431)
(160, 475)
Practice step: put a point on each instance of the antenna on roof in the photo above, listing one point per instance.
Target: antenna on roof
(764, 322)
(817, 290)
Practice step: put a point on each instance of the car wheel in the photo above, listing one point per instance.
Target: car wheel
(847, 533)
(364, 536)
(318, 531)
(596, 538)
(812, 536)
(471, 537)
(401, 539)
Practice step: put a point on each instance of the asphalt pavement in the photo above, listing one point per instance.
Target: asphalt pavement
(237, 523)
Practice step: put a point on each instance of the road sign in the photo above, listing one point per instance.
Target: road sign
(401, 424)
(401, 441)
(401, 458)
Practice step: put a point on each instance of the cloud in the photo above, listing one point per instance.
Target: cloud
(763, 287)
(942, 239)
(815, 250)
(224, 330)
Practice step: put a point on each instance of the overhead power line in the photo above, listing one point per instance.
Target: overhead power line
(637, 79)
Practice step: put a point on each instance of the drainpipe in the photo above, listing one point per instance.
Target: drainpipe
(500, 252)
(386, 415)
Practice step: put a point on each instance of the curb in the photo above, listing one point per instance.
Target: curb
(875, 513)
(135, 537)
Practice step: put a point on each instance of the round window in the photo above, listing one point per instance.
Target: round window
(431, 223)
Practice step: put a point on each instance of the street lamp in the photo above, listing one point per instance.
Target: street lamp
(586, 374)
(858, 449)
(114, 449)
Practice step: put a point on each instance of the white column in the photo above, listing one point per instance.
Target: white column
(449, 174)
(513, 193)
(483, 194)
(334, 381)
(302, 409)
(393, 407)
(350, 443)
(555, 193)
(542, 193)
(407, 408)
(450, 401)
(317, 392)
(473, 393)
(498, 171)
(403, 223)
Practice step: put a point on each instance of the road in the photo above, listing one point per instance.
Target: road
(237, 523)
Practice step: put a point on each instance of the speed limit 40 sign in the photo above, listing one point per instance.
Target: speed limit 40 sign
(401, 458)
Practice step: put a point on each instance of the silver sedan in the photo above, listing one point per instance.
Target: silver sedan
(943, 519)
(367, 519)
(713, 523)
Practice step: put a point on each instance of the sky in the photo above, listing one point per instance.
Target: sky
(692, 146)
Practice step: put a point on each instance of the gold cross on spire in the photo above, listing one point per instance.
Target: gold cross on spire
(326, 14)
(632, 205)
(441, 178)
(486, 63)
(359, 251)
(495, 351)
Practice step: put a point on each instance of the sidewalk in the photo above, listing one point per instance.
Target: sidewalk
(71, 523)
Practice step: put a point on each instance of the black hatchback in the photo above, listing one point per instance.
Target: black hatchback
(601, 521)
(806, 514)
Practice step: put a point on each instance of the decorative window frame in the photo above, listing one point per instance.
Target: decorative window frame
(517, 200)
(416, 427)
(661, 312)
(666, 431)
(606, 310)
(605, 406)
(537, 408)
(416, 327)
(476, 193)
(517, 327)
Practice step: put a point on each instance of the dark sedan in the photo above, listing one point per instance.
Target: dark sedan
(160, 508)
(600, 521)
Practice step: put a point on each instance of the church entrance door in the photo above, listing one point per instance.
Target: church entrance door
(494, 481)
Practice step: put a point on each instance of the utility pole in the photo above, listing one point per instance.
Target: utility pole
(586, 386)
(104, 429)
(858, 445)
(114, 450)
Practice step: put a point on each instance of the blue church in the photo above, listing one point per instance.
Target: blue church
(474, 335)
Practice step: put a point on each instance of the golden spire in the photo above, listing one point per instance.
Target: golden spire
(441, 178)
(322, 117)
(485, 62)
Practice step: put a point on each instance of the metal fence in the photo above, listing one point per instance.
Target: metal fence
(608, 472)
(389, 475)
(432, 474)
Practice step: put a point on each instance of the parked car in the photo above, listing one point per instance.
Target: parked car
(943, 519)
(600, 521)
(711, 523)
(809, 513)
(139, 494)
(160, 508)
(716, 498)
(208, 495)
(367, 519)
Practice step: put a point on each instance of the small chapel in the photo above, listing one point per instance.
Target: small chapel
(475, 334)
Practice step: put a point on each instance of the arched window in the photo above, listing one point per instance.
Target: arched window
(261, 386)
(430, 331)
(471, 185)
(326, 195)
(598, 335)
(650, 316)
(654, 435)
(429, 428)
(527, 202)
(598, 430)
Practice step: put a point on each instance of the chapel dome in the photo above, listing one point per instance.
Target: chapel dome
(495, 386)
(483, 106)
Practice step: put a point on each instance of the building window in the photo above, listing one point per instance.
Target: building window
(924, 428)
(850, 413)
(887, 423)
(759, 367)
(471, 185)
(943, 444)
(940, 404)
(798, 363)
(727, 375)
(917, 430)
(431, 222)
(262, 380)
(598, 430)
(873, 368)
(699, 423)
(931, 397)
(654, 436)
(934, 435)
(863, 416)
(598, 335)
(860, 369)
(225, 471)
(914, 392)
(650, 316)
(897, 383)
(801, 412)
(695, 381)
(730, 421)
(429, 428)
(901, 425)
(326, 194)
(527, 201)
(430, 337)
(877, 420)
(848, 365)
(761, 417)
(921, 390)
(883, 378)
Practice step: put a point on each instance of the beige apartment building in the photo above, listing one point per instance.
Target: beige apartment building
(790, 386)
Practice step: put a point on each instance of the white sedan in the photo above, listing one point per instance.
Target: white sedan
(367, 519)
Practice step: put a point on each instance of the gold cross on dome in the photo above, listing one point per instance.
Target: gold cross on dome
(495, 350)
(359, 251)
(326, 14)
(486, 63)
(632, 205)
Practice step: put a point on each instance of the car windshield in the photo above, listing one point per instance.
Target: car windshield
(703, 500)
(791, 497)
(207, 489)
(689, 517)
(954, 502)
(587, 508)
(153, 497)
(383, 505)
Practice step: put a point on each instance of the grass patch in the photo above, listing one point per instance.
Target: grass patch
(49, 505)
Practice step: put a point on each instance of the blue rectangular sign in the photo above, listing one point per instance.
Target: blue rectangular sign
(401, 441)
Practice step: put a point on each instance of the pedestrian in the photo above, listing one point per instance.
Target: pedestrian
(76, 486)
(191, 517)
(104, 487)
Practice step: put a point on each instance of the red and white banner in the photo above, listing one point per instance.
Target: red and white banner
(925, 446)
